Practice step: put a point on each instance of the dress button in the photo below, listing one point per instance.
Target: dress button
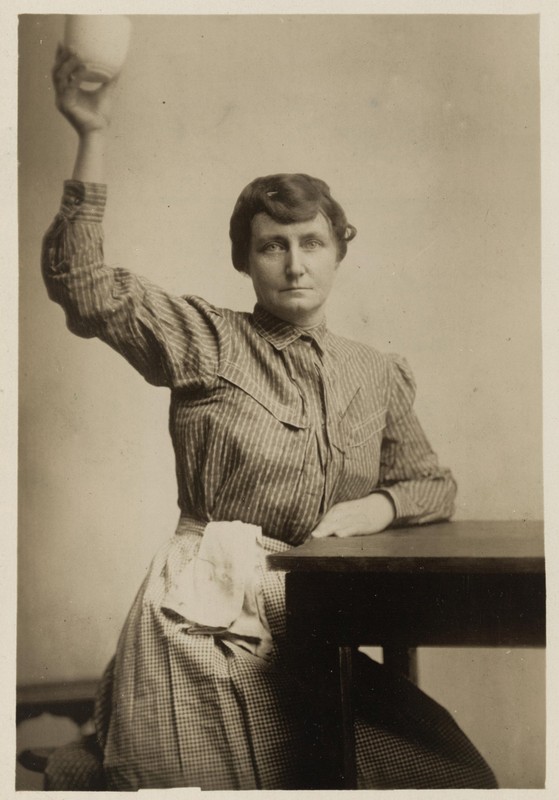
(77, 201)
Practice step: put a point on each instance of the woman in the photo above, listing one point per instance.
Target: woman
(281, 431)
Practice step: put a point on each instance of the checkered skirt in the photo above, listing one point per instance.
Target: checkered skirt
(176, 709)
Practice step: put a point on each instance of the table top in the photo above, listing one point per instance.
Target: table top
(458, 546)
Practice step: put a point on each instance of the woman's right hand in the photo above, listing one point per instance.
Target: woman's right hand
(86, 111)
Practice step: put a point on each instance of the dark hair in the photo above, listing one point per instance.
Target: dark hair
(286, 198)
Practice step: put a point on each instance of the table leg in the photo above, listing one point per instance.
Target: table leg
(330, 762)
(327, 681)
(349, 774)
(402, 660)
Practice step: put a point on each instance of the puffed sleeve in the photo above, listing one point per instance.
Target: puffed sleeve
(172, 341)
(421, 490)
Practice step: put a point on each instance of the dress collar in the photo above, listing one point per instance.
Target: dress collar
(281, 334)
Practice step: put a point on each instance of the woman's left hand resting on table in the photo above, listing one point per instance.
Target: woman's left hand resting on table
(370, 514)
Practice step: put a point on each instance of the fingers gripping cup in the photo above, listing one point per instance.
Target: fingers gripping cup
(100, 41)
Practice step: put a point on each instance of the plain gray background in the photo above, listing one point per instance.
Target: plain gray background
(427, 130)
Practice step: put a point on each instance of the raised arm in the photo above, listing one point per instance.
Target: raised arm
(88, 112)
(172, 341)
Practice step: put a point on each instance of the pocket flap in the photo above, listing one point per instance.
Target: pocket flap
(285, 403)
(360, 433)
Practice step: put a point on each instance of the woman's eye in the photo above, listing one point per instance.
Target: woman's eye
(312, 244)
(272, 247)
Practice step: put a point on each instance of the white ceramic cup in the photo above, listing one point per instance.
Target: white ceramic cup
(100, 42)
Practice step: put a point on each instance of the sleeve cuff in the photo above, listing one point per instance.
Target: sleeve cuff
(402, 509)
(83, 201)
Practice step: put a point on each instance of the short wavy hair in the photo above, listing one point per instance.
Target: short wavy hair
(286, 198)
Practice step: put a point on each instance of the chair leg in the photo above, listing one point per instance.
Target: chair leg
(35, 759)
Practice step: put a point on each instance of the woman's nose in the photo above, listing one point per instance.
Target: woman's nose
(294, 265)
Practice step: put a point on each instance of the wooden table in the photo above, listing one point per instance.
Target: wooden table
(463, 584)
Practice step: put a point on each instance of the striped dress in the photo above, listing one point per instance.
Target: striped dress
(271, 425)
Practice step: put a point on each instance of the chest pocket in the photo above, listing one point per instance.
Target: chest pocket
(359, 426)
(285, 403)
(359, 438)
(359, 434)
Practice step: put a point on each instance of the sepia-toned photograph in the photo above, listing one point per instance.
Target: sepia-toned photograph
(280, 438)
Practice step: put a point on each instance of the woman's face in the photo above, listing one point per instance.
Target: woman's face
(293, 267)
